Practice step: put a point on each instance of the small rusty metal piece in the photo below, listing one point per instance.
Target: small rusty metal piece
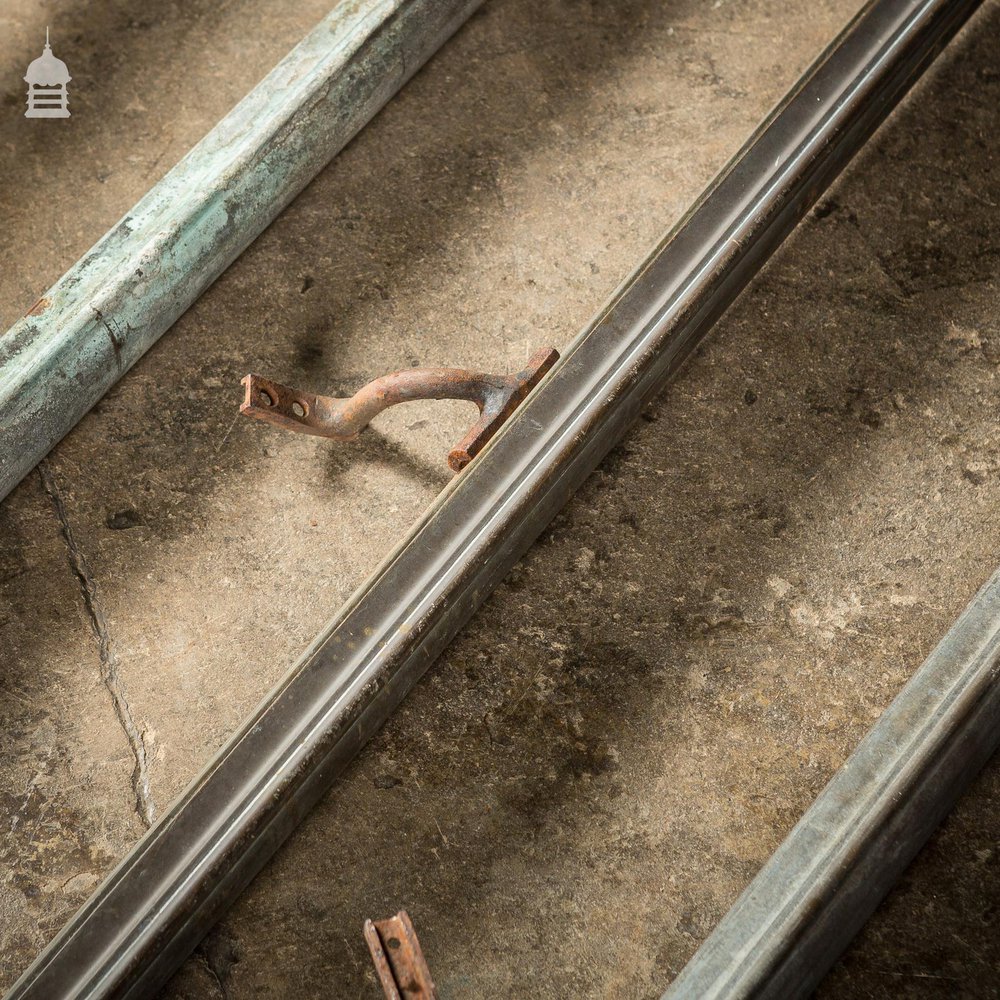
(39, 307)
(343, 418)
(399, 962)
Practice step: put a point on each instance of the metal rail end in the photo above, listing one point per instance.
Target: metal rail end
(399, 962)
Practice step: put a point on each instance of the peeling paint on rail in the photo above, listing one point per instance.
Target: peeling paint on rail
(104, 313)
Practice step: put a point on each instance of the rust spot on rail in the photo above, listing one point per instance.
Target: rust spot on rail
(39, 307)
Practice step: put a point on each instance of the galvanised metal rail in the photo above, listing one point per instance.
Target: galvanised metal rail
(151, 911)
(797, 916)
(111, 306)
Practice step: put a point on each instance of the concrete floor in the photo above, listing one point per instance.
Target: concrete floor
(565, 808)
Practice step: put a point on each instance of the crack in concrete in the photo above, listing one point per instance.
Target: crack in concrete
(213, 972)
(110, 673)
(218, 952)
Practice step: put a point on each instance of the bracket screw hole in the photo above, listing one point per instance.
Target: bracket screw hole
(393, 942)
(299, 409)
(265, 398)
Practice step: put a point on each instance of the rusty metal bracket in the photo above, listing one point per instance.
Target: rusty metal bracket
(343, 418)
(399, 962)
